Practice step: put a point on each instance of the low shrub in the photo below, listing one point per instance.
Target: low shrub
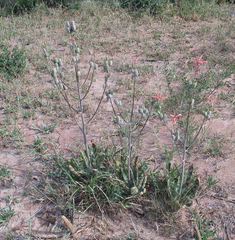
(21, 6)
(12, 62)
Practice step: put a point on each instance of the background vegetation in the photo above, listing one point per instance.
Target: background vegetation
(189, 69)
(137, 6)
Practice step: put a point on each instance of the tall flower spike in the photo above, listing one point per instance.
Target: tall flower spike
(159, 97)
(174, 117)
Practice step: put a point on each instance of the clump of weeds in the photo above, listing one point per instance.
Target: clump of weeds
(5, 214)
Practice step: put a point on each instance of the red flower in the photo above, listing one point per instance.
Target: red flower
(159, 97)
(174, 117)
(135, 59)
(198, 61)
(210, 99)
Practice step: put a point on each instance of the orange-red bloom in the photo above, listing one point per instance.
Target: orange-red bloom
(198, 61)
(174, 117)
(135, 59)
(159, 97)
(210, 99)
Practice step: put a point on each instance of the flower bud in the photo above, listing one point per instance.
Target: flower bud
(73, 26)
(91, 64)
(48, 68)
(146, 111)
(136, 73)
(120, 121)
(192, 104)
(61, 86)
(78, 57)
(96, 67)
(62, 75)
(60, 62)
(116, 102)
(109, 94)
(46, 54)
(56, 60)
(117, 120)
(56, 79)
(67, 24)
(54, 71)
(77, 50)
(78, 73)
(110, 63)
(209, 115)
(68, 30)
(177, 135)
(44, 50)
(74, 59)
(90, 52)
(106, 68)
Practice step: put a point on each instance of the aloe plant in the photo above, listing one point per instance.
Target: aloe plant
(138, 173)
(168, 184)
(58, 79)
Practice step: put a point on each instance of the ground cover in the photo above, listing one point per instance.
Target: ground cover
(178, 68)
